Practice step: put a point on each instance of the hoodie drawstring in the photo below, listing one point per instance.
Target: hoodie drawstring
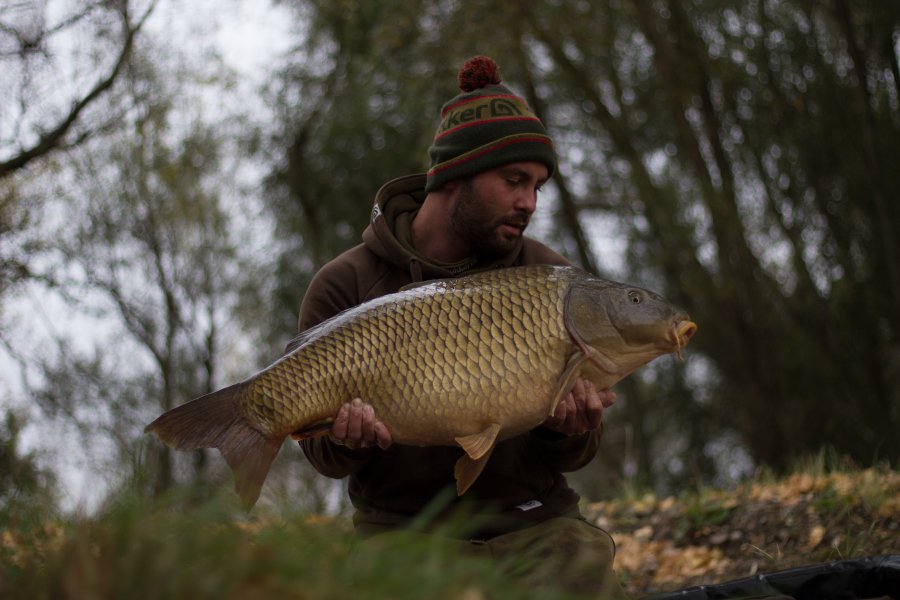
(415, 270)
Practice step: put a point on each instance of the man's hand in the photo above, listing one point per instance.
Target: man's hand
(356, 426)
(581, 410)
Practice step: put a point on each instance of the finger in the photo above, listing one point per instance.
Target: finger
(367, 425)
(341, 421)
(578, 390)
(572, 410)
(561, 409)
(593, 409)
(584, 401)
(354, 425)
(382, 435)
(608, 397)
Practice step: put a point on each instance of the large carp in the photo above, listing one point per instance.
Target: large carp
(465, 362)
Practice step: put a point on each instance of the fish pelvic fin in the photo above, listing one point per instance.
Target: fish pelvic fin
(216, 421)
(314, 430)
(479, 447)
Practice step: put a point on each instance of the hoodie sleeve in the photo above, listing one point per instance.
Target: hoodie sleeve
(566, 453)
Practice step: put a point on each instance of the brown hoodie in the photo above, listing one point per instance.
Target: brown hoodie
(522, 483)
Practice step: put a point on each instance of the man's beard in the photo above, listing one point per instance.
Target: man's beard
(473, 222)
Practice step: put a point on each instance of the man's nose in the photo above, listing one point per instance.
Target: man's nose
(526, 200)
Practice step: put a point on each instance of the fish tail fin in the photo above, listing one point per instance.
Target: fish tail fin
(216, 421)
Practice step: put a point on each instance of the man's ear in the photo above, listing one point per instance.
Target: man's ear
(451, 186)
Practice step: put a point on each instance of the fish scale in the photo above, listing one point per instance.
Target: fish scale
(464, 362)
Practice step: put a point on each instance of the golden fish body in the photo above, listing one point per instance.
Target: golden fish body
(436, 362)
(465, 362)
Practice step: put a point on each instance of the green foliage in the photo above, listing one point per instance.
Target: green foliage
(704, 512)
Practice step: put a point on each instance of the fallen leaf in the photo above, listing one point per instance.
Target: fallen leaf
(816, 535)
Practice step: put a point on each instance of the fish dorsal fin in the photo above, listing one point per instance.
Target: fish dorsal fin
(418, 284)
(567, 379)
(478, 444)
(302, 338)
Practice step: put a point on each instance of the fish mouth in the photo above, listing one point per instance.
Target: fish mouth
(683, 331)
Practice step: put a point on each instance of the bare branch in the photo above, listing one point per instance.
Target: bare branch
(53, 138)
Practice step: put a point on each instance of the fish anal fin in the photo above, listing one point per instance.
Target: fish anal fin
(478, 447)
(468, 469)
(250, 455)
(479, 444)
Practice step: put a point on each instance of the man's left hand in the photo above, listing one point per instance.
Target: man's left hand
(581, 410)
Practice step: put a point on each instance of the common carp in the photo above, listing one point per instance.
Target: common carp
(464, 362)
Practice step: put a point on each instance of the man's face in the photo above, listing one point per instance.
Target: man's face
(493, 208)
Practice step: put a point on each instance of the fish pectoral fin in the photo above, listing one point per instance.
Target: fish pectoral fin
(568, 377)
(317, 429)
(481, 443)
(468, 469)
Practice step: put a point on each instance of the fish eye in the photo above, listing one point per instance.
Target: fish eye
(635, 297)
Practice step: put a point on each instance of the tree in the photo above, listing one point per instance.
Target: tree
(349, 115)
(29, 46)
(26, 488)
(739, 148)
(719, 126)
(151, 257)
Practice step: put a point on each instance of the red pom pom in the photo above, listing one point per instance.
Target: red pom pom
(478, 72)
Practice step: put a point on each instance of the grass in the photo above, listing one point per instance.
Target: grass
(177, 548)
(163, 550)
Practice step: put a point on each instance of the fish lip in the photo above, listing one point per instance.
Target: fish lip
(682, 331)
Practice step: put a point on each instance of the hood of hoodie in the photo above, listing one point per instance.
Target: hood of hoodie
(389, 234)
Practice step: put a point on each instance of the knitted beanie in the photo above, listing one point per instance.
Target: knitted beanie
(484, 127)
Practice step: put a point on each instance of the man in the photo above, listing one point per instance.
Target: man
(490, 157)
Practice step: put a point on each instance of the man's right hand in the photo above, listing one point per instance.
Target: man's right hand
(356, 426)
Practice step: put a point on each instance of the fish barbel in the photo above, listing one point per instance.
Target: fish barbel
(462, 362)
